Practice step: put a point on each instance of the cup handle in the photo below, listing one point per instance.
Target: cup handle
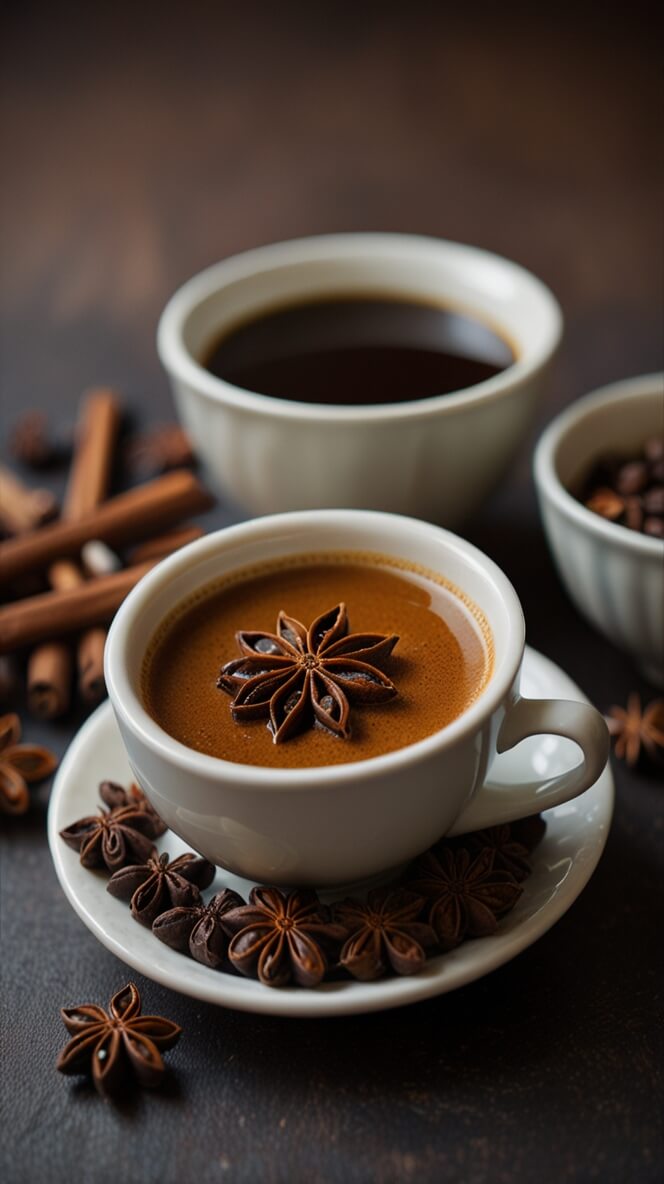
(495, 804)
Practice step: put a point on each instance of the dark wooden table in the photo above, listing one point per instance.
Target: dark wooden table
(141, 144)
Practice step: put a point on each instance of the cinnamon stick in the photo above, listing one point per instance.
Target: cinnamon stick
(49, 679)
(49, 667)
(23, 508)
(52, 614)
(9, 682)
(90, 471)
(90, 660)
(122, 520)
(165, 544)
(87, 488)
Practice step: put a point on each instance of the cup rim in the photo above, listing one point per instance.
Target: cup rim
(179, 361)
(129, 708)
(546, 454)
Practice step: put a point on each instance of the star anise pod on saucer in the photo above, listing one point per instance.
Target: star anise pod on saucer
(19, 765)
(118, 1044)
(117, 797)
(158, 884)
(467, 895)
(112, 837)
(299, 676)
(509, 855)
(636, 730)
(282, 938)
(199, 928)
(385, 932)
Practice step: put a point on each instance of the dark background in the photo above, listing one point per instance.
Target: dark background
(138, 145)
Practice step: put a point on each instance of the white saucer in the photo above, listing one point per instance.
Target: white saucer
(562, 866)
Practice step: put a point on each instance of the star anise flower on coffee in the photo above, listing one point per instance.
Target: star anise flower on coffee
(281, 938)
(467, 895)
(117, 797)
(636, 730)
(112, 837)
(159, 884)
(300, 676)
(385, 932)
(199, 928)
(19, 765)
(117, 1044)
(509, 855)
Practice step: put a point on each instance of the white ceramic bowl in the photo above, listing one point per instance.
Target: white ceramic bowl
(341, 823)
(434, 458)
(615, 576)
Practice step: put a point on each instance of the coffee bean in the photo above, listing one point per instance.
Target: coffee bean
(632, 477)
(607, 503)
(633, 513)
(628, 490)
(653, 500)
(654, 527)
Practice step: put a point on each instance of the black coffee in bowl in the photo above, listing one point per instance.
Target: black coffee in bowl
(357, 350)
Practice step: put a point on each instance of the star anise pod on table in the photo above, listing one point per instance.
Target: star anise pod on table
(199, 928)
(509, 855)
(636, 730)
(159, 884)
(111, 838)
(116, 1045)
(384, 932)
(117, 797)
(299, 676)
(283, 938)
(20, 764)
(467, 894)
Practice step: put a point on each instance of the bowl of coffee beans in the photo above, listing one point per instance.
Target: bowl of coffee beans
(599, 472)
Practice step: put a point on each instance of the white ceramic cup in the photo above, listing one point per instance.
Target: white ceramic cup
(435, 458)
(342, 823)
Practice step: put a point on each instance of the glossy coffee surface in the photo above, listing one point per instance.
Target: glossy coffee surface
(358, 351)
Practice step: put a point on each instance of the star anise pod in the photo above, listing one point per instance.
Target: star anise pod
(112, 837)
(384, 932)
(509, 855)
(467, 894)
(299, 676)
(636, 730)
(282, 938)
(199, 928)
(19, 765)
(117, 797)
(158, 884)
(117, 1044)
